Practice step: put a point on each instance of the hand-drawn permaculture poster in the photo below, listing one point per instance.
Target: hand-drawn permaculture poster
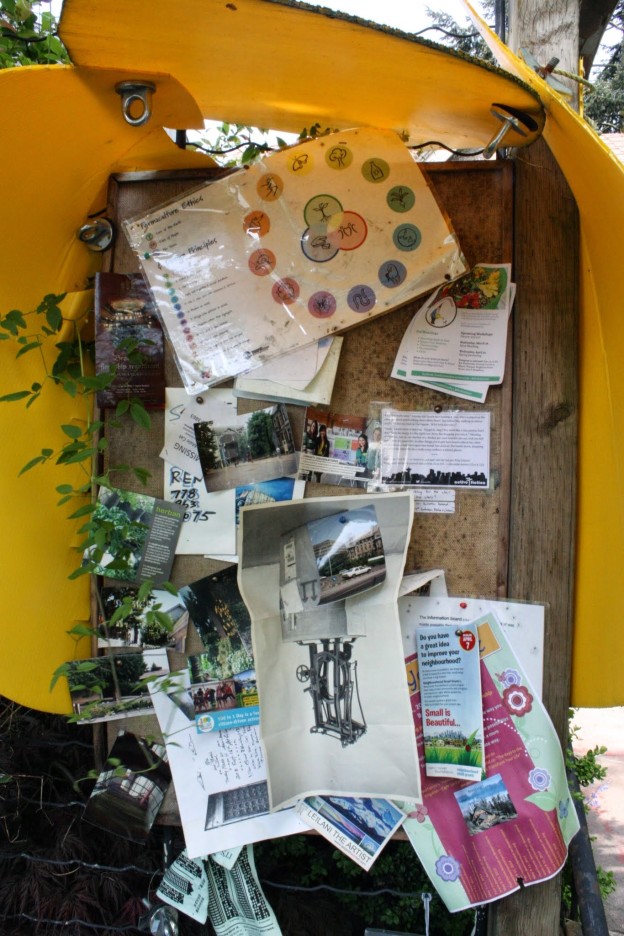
(309, 241)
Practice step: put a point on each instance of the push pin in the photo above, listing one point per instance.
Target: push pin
(136, 101)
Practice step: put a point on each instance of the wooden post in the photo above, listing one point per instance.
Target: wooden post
(543, 462)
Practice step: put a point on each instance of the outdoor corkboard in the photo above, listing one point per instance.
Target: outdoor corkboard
(470, 544)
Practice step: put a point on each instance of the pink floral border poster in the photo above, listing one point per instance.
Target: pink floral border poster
(480, 841)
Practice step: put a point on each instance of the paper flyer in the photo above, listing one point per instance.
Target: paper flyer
(185, 885)
(247, 448)
(482, 841)
(129, 339)
(450, 695)
(358, 826)
(130, 789)
(237, 905)
(113, 686)
(307, 242)
(219, 776)
(338, 448)
(458, 339)
(522, 623)
(142, 535)
(126, 620)
(447, 449)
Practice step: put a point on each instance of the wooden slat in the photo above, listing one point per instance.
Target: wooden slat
(543, 464)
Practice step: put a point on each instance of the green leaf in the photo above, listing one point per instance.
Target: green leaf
(169, 587)
(27, 347)
(142, 474)
(13, 397)
(80, 630)
(31, 464)
(54, 317)
(76, 457)
(140, 415)
(74, 432)
(122, 407)
(83, 570)
(64, 489)
(82, 511)
(144, 590)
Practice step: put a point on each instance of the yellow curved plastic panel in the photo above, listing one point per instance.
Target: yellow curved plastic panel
(63, 134)
(287, 65)
(596, 178)
(38, 552)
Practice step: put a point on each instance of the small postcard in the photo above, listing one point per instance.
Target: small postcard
(222, 703)
(128, 338)
(222, 621)
(358, 826)
(246, 448)
(338, 448)
(452, 710)
(142, 533)
(160, 619)
(130, 790)
(113, 686)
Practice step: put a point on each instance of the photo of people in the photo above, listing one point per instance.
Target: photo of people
(334, 449)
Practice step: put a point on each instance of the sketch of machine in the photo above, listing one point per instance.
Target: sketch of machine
(332, 675)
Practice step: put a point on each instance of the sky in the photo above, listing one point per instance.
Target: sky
(407, 15)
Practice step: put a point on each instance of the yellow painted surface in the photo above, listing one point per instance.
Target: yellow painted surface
(270, 64)
(596, 178)
(40, 603)
(262, 63)
(63, 134)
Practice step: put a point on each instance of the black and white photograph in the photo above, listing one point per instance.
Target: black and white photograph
(131, 788)
(335, 717)
(248, 448)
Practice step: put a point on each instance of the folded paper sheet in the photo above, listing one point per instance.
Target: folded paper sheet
(334, 713)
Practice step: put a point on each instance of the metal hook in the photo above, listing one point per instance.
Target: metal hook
(509, 123)
(97, 235)
(131, 92)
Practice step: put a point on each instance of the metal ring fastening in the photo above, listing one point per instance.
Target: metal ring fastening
(132, 92)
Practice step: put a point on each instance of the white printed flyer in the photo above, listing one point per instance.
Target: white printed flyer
(457, 340)
(428, 449)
